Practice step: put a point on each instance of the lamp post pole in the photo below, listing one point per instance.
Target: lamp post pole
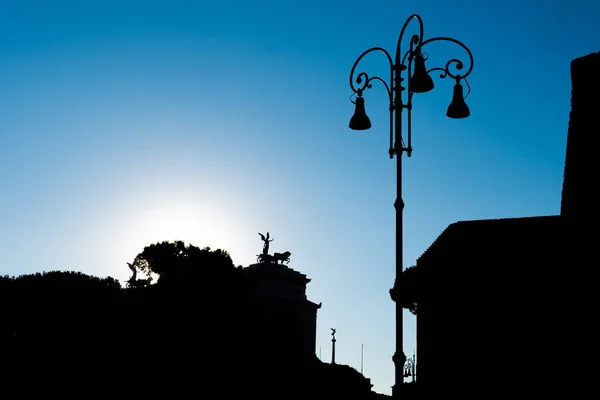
(413, 61)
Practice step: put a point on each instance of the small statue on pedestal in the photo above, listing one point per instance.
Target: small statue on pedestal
(133, 282)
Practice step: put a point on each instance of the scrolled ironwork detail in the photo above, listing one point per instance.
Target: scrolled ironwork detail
(363, 80)
(458, 64)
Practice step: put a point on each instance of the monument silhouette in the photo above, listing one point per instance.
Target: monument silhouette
(205, 325)
(287, 321)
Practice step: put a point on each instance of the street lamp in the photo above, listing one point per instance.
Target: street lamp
(419, 81)
(410, 368)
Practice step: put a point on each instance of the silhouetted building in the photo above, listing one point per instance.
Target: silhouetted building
(584, 125)
(494, 297)
(489, 301)
(286, 323)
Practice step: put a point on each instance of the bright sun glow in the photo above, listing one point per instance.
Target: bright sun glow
(199, 222)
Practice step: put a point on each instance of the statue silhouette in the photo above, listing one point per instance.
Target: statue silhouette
(282, 257)
(267, 241)
(133, 282)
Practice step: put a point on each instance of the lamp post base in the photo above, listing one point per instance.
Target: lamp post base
(399, 360)
(396, 389)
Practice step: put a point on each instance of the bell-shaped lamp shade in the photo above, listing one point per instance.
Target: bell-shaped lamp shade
(458, 108)
(420, 82)
(360, 121)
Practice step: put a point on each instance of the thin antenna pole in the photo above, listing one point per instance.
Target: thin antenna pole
(361, 358)
(333, 345)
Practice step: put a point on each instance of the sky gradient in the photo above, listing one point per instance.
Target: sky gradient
(124, 123)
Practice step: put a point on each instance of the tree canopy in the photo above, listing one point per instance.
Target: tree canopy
(173, 260)
(408, 289)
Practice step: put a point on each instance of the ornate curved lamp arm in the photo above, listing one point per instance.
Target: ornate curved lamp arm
(364, 80)
(415, 40)
(458, 64)
(368, 85)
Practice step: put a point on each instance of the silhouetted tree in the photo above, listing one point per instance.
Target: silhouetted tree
(59, 315)
(172, 260)
(190, 331)
(200, 297)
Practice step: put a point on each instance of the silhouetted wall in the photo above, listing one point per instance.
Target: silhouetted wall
(497, 299)
(493, 308)
(584, 126)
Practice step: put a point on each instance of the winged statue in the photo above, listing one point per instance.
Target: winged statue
(267, 239)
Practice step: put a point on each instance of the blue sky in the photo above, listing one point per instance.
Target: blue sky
(124, 123)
